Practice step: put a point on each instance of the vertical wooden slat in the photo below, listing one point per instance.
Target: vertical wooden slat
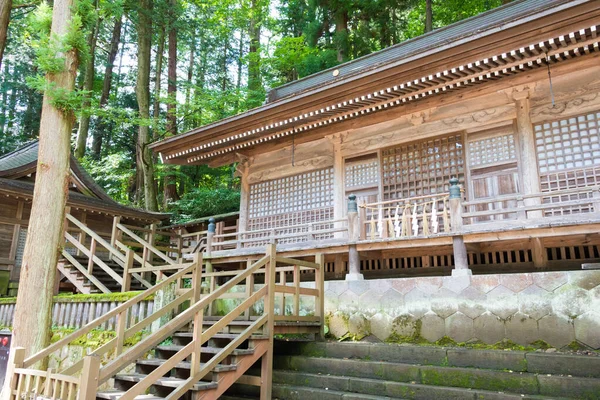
(127, 265)
(91, 259)
(297, 290)
(320, 286)
(88, 385)
(267, 358)
(249, 289)
(199, 316)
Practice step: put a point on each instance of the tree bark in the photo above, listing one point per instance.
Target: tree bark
(88, 86)
(33, 317)
(144, 160)
(5, 7)
(170, 183)
(341, 34)
(157, 81)
(190, 75)
(106, 86)
(428, 15)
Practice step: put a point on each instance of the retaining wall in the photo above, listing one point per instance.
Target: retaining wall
(556, 307)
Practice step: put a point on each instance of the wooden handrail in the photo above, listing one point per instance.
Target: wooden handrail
(407, 199)
(536, 207)
(84, 272)
(95, 259)
(96, 237)
(146, 244)
(516, 197)
(100, 320)
(176, 323)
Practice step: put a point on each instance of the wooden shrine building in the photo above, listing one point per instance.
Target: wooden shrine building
(507, 102)
(87, 202)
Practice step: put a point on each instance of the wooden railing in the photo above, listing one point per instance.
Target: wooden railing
(421, 216)
(92, 374)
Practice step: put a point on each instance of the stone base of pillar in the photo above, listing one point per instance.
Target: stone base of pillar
(355, 277)
(462, 272)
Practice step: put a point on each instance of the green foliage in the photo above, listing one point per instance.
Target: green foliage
(114, 173)
(203, 202)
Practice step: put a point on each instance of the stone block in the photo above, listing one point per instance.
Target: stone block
(459, 327)
(563, 364)
(485, 283)
(407, 354)
(358, 287)
(516, 282)
(502, 302)
(535, 302)
(417, 302)
(358, 325)
(472, 302)
(550, 281)
(404, 285)
(556, 330)
(381, 325)
(392, 300)
(433, 327)
(429, 285)
(401, 390)
(586, 280)
(489, 328)
(587, 327)
(571, 301)
(521, 329)
(370, 301)
(348, 301)
(338, 287)
(405, 326)
(456, 284)
(379, 285)
(444, 303)
(572, 387)
(338, 324)
(488, 359)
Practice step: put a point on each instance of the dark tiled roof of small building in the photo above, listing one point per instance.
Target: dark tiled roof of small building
(20, 157)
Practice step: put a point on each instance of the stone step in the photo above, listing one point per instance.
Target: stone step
(521, 361)
(352, 386)
(205, 350)
(480, 379)
(288, 392)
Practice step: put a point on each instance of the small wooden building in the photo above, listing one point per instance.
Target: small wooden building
(507, 102)
(87, 202)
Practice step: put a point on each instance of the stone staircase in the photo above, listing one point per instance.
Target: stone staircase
(222, 375)
(381, 371)
(84, 284)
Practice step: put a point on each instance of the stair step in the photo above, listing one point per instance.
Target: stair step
(231, 336)
(377, 387)
(167, 382)
(207, 350)
(156, 362)
(116, 394)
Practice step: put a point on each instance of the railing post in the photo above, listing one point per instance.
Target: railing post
(356, 232)
(320, 286)
(461, 261)
(16, 358)
(210, 235)
(114, 234)
(91, 259)
(267, 358)
(249, 289)
(127, 265)
(596, 197)
(88, 386)
(199, 316)
(362, 220)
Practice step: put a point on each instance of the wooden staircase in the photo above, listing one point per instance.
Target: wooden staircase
(193, 354)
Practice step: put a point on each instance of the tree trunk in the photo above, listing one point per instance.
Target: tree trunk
(428, 16)
(341, 34)
(5, 7)
(106, 85)
(88, 86)
(33, 317)
(190, 75)
(170, 183)
(5, 83)
(144, 160)
(255, 94)
(157, 82)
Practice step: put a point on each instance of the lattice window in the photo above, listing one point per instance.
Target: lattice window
(568, 153)
(492, 150)
(280, 206)
(568, 143)
(422, 168)
(362, 174)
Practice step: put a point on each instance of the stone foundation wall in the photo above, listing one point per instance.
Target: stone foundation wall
(556, 307)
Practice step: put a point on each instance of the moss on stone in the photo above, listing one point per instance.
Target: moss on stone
(86, 298)
(576, 346)
(540, 344)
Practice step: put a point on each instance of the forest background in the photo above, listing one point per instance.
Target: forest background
(154, 68)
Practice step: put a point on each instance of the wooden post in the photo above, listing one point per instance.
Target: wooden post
(179, 245)
(120, 332)
(209, 266)
(127, 265)
(249, 289)
(529, 165)
(338, 180)
(16, 230)
(296, 290)
(114, 235)
(266, 377)
(151, 240)
(320, 286)
(362, 219)
(15, 361)
(91, 259)
(356, 230)
(243, 171)
(538, 253)
(596, 197)
(461, 261)
(88, 385)
(198, 317)
(209, 236)
(82, 235)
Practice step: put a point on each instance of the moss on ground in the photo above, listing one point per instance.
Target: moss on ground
(86, 298)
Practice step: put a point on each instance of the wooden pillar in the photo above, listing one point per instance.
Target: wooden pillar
(338, 179)
(353, 236)
(16, 230)
(538, 253)
(243, 171)
(461, 261)
(527, 151)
